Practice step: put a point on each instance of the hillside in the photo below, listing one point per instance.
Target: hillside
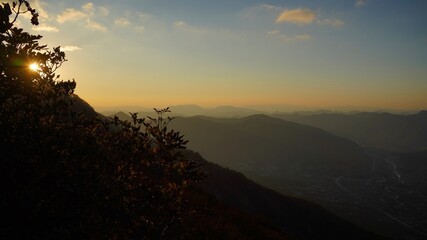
(309, 163)
(381, 130)
(303, 219)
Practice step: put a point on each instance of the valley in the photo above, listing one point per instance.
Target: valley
(361, 184)
(380, 190)
(377, 198)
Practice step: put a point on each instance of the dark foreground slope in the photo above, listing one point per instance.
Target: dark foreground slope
(381, 130)
(303, 219)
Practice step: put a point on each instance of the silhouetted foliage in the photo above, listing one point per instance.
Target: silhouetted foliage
(64, 175)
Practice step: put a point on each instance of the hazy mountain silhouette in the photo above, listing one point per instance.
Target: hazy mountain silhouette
(194, 110)
(381, 130)
(274, 145)
(220, 111)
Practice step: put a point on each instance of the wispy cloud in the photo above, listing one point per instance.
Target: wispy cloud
(103, 11)
(299, 16)
(179, 24)
(88, 7)
(305, 16)
(121, 22)
(46, 20)
(286, 38)
(269, 7)
(140, 28)
(332, 22)
(70, 48)
(273, 32)
(201, 31)
(87, 13)
(41, 8)
(360, 3)
(90, 24)
(71, 14)
(45, 28)
(300, 37)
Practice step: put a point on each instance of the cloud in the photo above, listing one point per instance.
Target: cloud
(71, 14)
(300, 37)
(267, 6)
(299, 16)
(200, 31)
(360, 3)
(70, 48)
(179, 24)
(332, 22)
(95, 26)
(87, 13)
(121, 22)
(103, 11)
(273, 32)
(45, 28)
(286, 38)
(140, 28)
(305, 16)
(88, 7)
(40, 7)
(270, 7)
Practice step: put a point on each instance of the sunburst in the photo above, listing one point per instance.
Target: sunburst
(34, 67)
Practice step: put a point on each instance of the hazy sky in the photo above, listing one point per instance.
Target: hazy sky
(326, 53)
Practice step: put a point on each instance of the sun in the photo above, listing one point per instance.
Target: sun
(34, 67)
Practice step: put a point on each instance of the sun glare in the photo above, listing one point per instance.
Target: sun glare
(34, 67)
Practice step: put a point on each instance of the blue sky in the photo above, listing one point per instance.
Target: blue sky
(322, 54)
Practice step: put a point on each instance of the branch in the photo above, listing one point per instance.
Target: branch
(17, 12)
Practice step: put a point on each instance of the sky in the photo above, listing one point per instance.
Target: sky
(320, 54)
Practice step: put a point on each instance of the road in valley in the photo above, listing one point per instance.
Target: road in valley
(387, 193)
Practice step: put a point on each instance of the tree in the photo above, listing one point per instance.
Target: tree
(64, 175)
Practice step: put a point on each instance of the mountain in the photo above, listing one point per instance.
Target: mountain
(302, 219)
(81, 106)
(194, 110)
(262, 142)
(351, 181)
(123, 116)
(254, 212)
(220, 111)
(355, 183)
(381, 130)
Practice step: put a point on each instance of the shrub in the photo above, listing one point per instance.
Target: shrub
(65, 175)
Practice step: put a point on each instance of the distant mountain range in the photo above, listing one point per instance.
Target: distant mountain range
(380, 130)
(275, 146)
(188, 110)
(193, 110)
(395, 132)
